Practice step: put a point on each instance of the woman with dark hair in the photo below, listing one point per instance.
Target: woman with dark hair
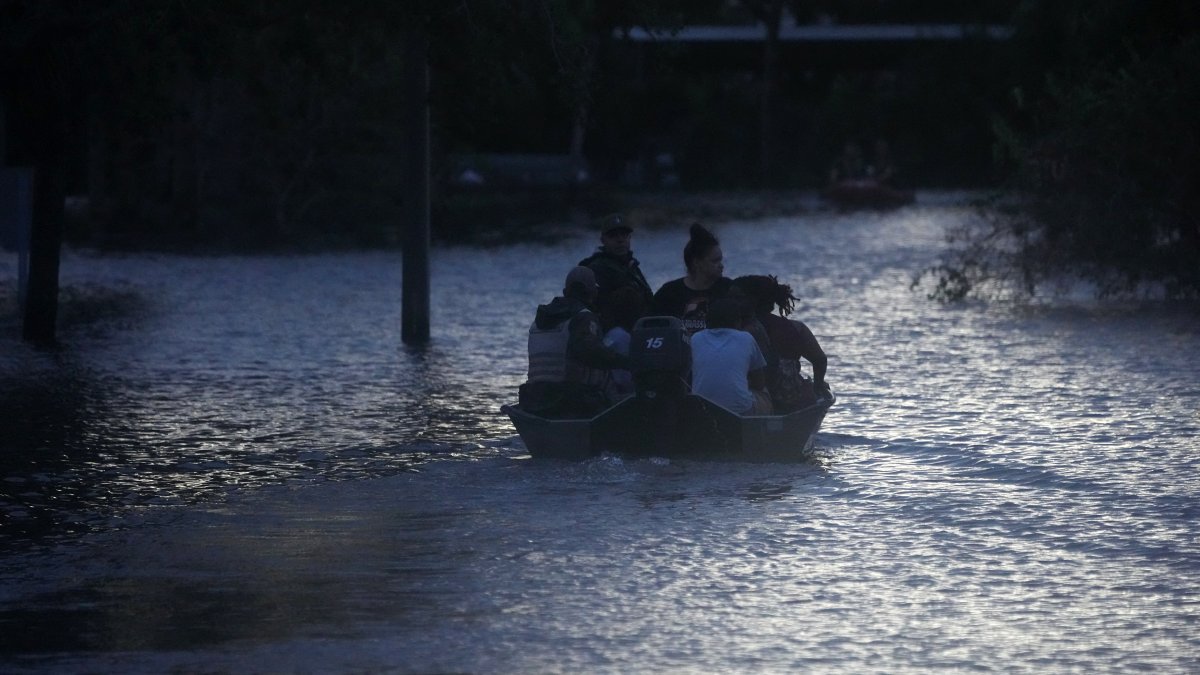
(791, 340)
(688, 296)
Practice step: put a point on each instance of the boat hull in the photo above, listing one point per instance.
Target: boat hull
(867, 194)
(686, 427)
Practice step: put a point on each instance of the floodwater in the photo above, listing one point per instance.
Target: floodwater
(232, 464)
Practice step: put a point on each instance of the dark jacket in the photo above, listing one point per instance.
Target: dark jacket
(613, 272)
(586, 342)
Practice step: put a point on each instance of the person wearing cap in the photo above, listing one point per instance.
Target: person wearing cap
(569, 365)
(613, 261)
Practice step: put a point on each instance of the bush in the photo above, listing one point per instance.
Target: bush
(1107, 153)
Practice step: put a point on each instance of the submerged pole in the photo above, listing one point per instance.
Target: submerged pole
(414, 311)
(37, 124)
(40, 311)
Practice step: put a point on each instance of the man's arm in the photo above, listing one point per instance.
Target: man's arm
(586, 345)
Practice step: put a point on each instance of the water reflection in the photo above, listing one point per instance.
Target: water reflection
(238, 467)
(313, 563)
(182, 385)
(760, 492)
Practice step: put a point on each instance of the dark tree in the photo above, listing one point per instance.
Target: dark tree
(1103, 138)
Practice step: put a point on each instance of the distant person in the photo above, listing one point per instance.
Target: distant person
(849, 164)
(882, 168)
(688, 297)
(790, 340)
(569, 366)
(619, 311)
(614, 263)
(727, 366)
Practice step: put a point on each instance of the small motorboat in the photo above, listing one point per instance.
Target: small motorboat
(866, 193)
(694, 428)
(663, 419)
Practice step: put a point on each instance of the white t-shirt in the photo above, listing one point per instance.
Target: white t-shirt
(617, 339)
(721, 359)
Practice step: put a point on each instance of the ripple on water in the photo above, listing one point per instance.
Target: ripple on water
(997, 487)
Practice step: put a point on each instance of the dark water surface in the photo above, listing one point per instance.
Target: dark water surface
(233, 465)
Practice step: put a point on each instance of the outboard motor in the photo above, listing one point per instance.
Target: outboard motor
(661, 357)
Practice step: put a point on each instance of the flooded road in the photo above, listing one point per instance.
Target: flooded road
(232, 464)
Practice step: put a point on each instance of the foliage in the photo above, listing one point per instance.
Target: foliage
(992, 249)
(249, 124)
(1106, 144)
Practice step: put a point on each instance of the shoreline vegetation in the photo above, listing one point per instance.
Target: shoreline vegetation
(999, 253)
(486, 219)
(1103, 149)
(985, 242)
(478, 223)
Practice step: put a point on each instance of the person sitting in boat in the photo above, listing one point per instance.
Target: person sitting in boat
(619, 311)
(727, 366)
(751, 324)
(613, 261)
(689, 296)
(848, 165)
(790, 340)
(569, 366)
(882, 169)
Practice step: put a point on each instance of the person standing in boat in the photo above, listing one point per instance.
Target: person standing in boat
(728, 368)
(614, 263)
(689, 296)
(568, 362)
(790, 340)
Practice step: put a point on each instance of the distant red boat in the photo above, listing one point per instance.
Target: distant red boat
(866, 193)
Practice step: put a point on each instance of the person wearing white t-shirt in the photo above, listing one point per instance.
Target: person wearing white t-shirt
(728, 368)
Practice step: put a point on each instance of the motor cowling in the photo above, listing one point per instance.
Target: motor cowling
(660, 356)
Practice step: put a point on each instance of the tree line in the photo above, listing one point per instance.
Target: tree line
(242, 124)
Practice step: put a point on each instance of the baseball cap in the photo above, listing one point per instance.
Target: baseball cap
(584, 276)
(614, 221)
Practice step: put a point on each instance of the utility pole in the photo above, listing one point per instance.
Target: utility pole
(414, 311)
(40, 312)
(34, 126)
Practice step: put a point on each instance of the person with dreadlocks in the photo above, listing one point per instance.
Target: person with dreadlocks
(790, 341)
